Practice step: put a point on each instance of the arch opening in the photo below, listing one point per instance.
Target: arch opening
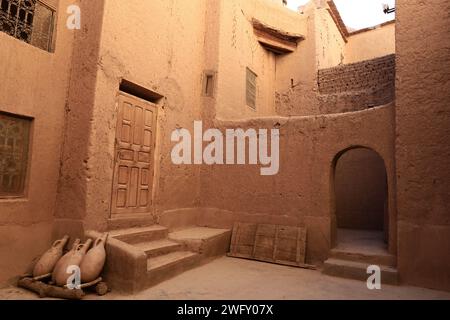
(361, 201)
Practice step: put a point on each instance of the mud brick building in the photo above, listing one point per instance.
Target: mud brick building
(86, 118)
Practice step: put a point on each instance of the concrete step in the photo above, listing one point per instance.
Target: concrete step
(385, 259)
(358, 270)
(209, 242)
(139, 235)
(169, 265)
(127, 221)
(159, 247)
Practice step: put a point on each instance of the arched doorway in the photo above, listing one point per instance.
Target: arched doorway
(361, 201)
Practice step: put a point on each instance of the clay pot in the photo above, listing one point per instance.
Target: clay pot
(72, 258)
(63, 261)
(94, 261)
(47, 262)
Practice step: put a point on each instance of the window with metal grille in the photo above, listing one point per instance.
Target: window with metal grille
(251, 88)
(31, 21)
(14, 145)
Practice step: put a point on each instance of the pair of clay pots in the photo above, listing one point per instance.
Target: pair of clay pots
(90, 262)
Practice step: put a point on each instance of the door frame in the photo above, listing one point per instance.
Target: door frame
(390, 217)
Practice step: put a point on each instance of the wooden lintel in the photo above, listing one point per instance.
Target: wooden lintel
(275, 40)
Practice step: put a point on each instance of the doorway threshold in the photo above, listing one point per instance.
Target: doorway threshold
(364, 246)
(361, 241)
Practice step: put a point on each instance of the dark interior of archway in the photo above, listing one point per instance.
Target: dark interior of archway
(361, 198)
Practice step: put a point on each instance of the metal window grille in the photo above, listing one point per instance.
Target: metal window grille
(30, 21)
(14, 144)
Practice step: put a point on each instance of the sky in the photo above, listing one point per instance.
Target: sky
(357, 14)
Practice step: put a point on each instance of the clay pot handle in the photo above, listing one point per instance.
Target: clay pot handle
(56, 243)
(87, 244)
(101, 240)
(63, 240)
(76, 244)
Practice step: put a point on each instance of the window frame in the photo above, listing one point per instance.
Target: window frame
(209, 82)
(23, 193)
(15, 21)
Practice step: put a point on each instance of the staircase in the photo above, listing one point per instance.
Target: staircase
(351, 260)
(354, 266)
(165, 258)
(141, 254)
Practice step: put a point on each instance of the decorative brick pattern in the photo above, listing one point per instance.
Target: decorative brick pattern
(357, 86)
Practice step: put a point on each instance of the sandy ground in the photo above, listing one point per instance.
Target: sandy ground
(236, 279)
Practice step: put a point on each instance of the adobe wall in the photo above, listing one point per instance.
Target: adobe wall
(422, 146)
(330, 44)
(357, 86)
(296, 84)
(370, 44)
(107, 53)
(34, 84)
(239, 49)
(322, 48)
(75, 171)
(302, 193)
(165, 56)
(326, 48)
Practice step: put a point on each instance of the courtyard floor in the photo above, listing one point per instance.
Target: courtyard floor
(236, 279)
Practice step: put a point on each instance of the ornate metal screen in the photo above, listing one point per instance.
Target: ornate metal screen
(28, 20)
(16, 18)
(14, 144)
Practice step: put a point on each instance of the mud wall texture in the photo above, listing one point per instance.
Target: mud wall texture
(422, 147)
(75, 171)
(361, 190)
(239, 49)
(34, 84)
(322, 55)
(296, 79)
(357, 86)
(330, 44)
(370, 44)
(166, 57)
(301, 193)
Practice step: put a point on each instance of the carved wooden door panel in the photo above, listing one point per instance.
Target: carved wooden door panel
(134, 156)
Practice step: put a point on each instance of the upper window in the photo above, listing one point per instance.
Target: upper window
(251, 88)
(28, 20)
(208, 83)
(14, 144)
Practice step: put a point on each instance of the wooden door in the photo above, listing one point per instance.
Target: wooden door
(134, 156)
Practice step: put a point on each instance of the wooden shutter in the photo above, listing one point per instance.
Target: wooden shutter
(251, 88)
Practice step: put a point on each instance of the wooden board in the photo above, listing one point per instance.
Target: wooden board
(243, 240)
(291, 246)
(265, 242)
(270, 243)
